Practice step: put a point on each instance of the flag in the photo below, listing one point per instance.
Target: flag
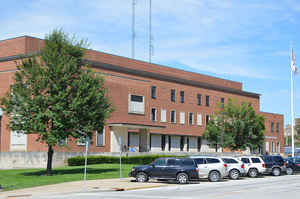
(293, 63)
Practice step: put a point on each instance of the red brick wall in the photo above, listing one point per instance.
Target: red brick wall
(274, 136)
(120, 85)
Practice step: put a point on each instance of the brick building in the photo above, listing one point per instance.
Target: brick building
(157, 108)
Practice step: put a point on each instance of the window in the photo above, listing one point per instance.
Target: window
(207, 100)
(188, 162)
(212, 160)
(136, 104)
(62, 142)
(163, 142)
(153, 92)
(245, 160)
(277, 127)
(182, 117)
(267, 146)
(222, 102)
(272, 147)
(199, 99)
(187, 144)
(173, 162)
(160, 162)
(255, 160)
(191, 118)
(100, 137)
(153, 114)
(173, 116)
(170, 143)
(278, 147)
(229, 161)
(199, 119)
(163, 115)
(181, 143)
(182, 96)
(200, 161)
(199, 143)
(172, 95)
(272, 127)
(207, 119)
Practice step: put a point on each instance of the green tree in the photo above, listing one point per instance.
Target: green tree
(236, 126)
(56, 95)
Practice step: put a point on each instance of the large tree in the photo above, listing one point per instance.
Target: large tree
(56, 95)
(236, 126)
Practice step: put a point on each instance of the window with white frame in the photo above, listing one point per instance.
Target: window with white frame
(278, 147)
(199, 119)
(163, 115)
(100, 137)
(191, 118)
(136, 104)
(267, 146)
(153, 114)
(173, 116)
(182, 117)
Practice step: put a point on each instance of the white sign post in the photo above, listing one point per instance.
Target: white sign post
(87, 143)
(120, 143)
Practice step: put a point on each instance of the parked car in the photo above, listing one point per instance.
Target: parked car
(182, 170)
(211, 167)
(254, 165)
(292, 165)
(235, 167)
(275, 164)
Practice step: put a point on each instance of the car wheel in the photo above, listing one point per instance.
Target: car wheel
(276, 172)
(234, 174)
(141, 177)
(289, 171)
(252, 173)
(182, 178)
(214, 176)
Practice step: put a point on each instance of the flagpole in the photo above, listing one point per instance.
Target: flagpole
(292, 105)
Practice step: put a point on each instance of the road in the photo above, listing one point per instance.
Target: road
(259, 188)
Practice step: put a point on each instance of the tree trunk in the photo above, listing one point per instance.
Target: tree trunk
(216, 147)
(49, 161)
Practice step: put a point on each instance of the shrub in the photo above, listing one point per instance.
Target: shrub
(140, 159)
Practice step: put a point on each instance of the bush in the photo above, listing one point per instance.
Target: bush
(141, 159)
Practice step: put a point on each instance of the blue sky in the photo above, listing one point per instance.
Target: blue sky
(245, 41)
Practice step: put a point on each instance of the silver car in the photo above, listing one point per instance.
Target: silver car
(211, 167)
(235, 167)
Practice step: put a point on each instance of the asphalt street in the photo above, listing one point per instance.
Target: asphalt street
(259, 188)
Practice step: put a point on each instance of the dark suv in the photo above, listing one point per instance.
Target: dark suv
(293, 165)
(183, 170)
(275, 164)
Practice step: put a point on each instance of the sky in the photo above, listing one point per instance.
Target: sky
(244, 41)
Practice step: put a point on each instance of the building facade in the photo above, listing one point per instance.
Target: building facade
(157, 108)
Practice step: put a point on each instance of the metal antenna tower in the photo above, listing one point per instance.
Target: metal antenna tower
(150, 30)
(133, 30)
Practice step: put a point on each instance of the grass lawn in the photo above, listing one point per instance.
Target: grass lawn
(24, 178)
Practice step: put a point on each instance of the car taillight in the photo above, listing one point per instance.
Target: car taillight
(225, 165)
(263, 165)
(243, 166)
(197, 170)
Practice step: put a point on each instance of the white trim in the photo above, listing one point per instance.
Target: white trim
(103, 131)
(181, 117)
(131, 105)
(193, 118)
(174, 116)
(161, 115)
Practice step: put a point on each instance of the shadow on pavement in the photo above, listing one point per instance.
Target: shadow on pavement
(69, 171)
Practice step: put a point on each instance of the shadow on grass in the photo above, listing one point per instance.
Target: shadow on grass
(69, 171)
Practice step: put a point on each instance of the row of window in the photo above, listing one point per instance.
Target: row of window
(275, 147)
(277, 127)
(181, 94)
(191, 118)
(183, 140)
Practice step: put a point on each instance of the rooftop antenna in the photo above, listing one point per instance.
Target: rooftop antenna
(150, 31)
(133, 30)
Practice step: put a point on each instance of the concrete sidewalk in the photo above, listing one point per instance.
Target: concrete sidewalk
(79, 186)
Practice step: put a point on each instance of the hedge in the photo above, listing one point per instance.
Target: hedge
(141, 159)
